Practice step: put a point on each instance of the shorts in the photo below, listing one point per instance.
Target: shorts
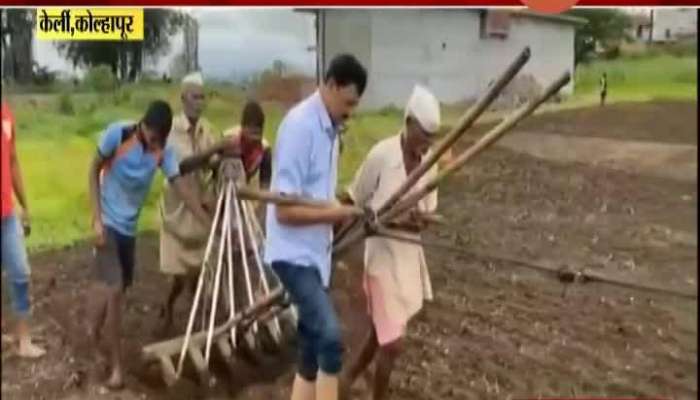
(115, 260)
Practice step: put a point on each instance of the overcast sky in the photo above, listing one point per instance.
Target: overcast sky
(233, 42)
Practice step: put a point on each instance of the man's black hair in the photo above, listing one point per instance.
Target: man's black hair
(159, 117)
(345, 69)
(253, 114)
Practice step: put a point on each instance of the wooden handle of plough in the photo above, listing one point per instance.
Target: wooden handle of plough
(464, 123)
(484, 142)
(248, 193)
(462, 126)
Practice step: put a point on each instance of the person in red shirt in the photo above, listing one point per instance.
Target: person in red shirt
(14, 255)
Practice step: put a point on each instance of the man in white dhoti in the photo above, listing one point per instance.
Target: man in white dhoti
(396, 278)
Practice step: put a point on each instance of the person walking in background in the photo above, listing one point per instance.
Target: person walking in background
(603, 88)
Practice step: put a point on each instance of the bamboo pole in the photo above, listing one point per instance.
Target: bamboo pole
(242, 249)
(198, 293)
(168, 347)
(217, 273)
(466, 122)
(258, 260)
(463, 125)
(248, 193)
(484, 142)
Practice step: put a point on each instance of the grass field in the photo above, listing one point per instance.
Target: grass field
(55, 145)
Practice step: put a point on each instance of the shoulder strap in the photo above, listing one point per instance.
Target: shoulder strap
(128, 140)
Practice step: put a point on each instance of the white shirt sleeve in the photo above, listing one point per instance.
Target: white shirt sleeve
(366, 180)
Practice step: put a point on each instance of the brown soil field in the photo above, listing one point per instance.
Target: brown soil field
(496, 329)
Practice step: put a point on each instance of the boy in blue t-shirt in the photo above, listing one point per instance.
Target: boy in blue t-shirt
(121, 174)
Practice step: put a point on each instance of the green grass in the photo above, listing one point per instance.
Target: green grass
(640, 79)
(55, 149)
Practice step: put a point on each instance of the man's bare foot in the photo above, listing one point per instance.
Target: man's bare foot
(115, 380)
(27, 349)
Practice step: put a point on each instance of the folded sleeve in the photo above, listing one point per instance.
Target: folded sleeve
(170, 165)
(366, 179)
(109, 140)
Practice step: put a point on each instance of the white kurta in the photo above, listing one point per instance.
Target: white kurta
(397, 269)
(183, 237)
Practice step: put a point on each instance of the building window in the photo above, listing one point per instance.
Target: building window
(668, 33)
(494, 24)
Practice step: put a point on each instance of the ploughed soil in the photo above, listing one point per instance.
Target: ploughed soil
(496, 328)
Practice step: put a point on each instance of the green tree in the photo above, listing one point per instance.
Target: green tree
(605, 28)
(126, 58)
(16, 39)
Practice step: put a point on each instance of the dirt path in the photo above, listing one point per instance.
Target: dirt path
(494, 329)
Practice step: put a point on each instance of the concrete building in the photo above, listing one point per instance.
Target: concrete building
(672, 24)
(454, 52)
(663, 25)
(640, 29)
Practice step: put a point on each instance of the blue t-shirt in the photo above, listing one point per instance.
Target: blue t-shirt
(125, 185)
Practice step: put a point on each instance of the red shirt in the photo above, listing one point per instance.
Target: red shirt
(6, 144)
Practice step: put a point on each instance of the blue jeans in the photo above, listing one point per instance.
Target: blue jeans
(15, 264)
(320, 343)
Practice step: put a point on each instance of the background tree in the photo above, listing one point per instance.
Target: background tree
(126, 58)
(605, 28)
(16, 38)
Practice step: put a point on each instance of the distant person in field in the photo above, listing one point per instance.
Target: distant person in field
(15, 225)
(396, 279)
(183, 237)
(121, 172)
(603, 88)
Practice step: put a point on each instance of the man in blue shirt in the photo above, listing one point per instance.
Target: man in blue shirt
(299, 238)
(121, 174)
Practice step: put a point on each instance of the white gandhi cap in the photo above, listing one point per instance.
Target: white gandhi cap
(424, 108)
(193, 79)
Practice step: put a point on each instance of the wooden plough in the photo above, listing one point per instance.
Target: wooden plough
(235, 214)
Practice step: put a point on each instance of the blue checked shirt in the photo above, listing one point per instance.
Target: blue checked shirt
(305, 163)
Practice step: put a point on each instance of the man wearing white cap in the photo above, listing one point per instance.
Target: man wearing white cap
(396, 278)
(182, 236)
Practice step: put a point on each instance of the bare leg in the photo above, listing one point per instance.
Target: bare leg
(26, 347)
(359, 363)
(114, 319)
(96, 312)
(167, 313)
(386, 359)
